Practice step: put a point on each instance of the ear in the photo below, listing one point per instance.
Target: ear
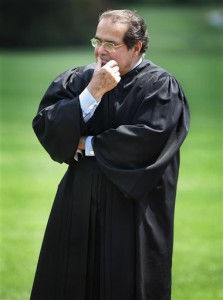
(137, 47)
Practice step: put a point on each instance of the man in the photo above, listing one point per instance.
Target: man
(119, 125)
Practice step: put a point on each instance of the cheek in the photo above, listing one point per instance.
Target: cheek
(121, 61)
(117, 58)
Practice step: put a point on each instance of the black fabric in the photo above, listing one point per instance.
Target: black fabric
(110, 231)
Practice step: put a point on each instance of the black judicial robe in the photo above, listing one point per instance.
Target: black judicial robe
(110, 230)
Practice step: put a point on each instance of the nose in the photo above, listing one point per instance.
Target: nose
(101, 49)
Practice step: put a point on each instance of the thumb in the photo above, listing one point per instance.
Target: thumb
(99, 63)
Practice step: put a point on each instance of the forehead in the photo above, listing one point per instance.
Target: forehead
(110, 31)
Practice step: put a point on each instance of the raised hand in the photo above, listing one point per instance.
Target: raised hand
(104, 79)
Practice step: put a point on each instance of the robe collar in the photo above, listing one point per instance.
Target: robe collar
(130, 77)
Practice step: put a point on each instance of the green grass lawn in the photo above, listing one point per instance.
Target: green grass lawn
(184, 43)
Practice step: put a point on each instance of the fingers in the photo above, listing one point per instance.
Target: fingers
(111, 64)
(82, 142)
(113, 69)
(98, 64)
(104, 79)
(116, 69)
(117, 77)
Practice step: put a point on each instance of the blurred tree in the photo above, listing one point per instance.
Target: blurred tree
(168, 2)
(37, 23)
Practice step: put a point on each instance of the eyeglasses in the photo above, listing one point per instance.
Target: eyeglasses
(107, 45)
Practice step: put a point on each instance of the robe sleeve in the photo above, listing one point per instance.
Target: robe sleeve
(134, 156)
(59, 122)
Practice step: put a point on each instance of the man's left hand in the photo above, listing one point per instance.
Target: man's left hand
(82, 141)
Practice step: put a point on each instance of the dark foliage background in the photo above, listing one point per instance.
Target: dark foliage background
(40, 23)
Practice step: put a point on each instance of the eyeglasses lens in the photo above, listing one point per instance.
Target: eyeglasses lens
(108, 46)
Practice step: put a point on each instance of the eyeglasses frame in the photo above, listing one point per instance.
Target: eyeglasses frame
(104, 44)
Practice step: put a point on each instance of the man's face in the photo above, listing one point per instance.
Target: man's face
(114, 33)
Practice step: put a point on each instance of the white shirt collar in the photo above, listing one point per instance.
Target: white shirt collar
(138, 63)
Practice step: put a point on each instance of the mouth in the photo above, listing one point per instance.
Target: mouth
(104, 61)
